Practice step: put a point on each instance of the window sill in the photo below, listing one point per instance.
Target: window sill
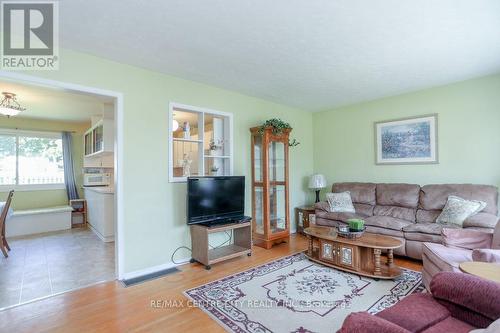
(32, 187)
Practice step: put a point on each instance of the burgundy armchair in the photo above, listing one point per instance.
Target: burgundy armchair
(459, 303)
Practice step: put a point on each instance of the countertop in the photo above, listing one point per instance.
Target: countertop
(100, 189)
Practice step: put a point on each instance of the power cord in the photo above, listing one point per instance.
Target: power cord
(175, 251)
(227, 241)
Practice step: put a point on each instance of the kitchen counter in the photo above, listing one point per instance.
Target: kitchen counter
(100, 189)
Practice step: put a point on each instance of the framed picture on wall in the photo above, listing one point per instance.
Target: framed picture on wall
(407, 141)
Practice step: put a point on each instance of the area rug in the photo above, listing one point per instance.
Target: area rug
(294, 294)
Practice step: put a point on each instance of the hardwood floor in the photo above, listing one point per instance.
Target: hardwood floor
(109, 307)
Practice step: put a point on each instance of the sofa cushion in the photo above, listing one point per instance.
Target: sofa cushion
(423, 237)
(385, 231)
(360, 192)
(427, 216)
(427, 228)
(402, 195)
(495, 241)
(482, 220)
(413, 248)
(396, 212)
(340, 216)
(434, 197)
(466, 239)
(450, 324)
(415, 312)
(363, 209)
(327, 223)
(446, 258)
(387, 222)
(364, 322)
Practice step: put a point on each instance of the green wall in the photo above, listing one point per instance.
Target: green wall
(343, 149)
(154, 209)
(468, 136)
(47, 198)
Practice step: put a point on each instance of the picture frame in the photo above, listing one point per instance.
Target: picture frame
(412, 140)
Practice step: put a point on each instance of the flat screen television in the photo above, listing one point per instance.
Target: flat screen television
(215, 199)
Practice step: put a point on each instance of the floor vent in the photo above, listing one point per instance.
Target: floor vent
(148, 277)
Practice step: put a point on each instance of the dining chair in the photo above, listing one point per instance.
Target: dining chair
(4, 246)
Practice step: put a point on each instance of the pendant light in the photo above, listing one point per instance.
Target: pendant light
(9, 106)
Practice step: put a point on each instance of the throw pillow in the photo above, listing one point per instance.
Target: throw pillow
(458, 209)
(340, 202)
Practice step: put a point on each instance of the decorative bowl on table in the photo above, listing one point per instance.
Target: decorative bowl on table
(354, 229)
(343, 228)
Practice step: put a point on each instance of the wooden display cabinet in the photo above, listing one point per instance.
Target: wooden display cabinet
(270, 204)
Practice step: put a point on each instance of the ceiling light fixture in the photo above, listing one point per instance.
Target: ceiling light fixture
(9, 106)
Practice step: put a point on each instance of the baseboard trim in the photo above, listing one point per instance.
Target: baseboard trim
(101, 237)
(153, 269)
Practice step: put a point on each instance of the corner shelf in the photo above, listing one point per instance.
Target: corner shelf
(211, 156)
(187, 140)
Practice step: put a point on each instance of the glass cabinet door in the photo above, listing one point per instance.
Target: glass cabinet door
(98, 138)
(258, 190)
(276, 161)
(258, 216)
(88, 143)
(277, 187)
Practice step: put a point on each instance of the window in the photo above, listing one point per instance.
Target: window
(31, 160)
(200, 142)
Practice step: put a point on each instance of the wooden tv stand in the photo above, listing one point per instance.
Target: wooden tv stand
(242, 243)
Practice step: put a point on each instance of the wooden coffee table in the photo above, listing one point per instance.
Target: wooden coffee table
(359, 256)
(486, 270)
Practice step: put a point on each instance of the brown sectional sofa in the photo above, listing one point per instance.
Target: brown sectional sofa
(408, 211)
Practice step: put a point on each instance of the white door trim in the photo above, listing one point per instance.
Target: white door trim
(118, 163)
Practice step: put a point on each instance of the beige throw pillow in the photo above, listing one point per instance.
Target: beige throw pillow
(340, 202)
(458, 209)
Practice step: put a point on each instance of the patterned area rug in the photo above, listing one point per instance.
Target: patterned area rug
(293, 294)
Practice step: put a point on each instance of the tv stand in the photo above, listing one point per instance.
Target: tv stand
(242, 242)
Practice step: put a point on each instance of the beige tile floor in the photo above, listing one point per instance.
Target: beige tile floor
(50, 263)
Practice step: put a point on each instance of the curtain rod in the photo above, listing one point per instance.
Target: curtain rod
(36, 130)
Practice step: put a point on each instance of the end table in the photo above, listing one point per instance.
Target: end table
(486, 270)
(304, 216)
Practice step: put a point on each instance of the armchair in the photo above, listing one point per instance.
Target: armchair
(459, 303)
(459, 245)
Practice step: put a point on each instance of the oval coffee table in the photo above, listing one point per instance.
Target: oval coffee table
(359, 256)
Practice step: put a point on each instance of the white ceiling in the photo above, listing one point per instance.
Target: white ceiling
(53, 104)
(313, 55)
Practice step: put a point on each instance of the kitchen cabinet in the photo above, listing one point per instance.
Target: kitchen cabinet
(99, 161)
(101, 211)
(99, 139)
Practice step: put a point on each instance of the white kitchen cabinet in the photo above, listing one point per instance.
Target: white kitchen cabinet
(99, 139)
(101, 211)
(99, 161)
